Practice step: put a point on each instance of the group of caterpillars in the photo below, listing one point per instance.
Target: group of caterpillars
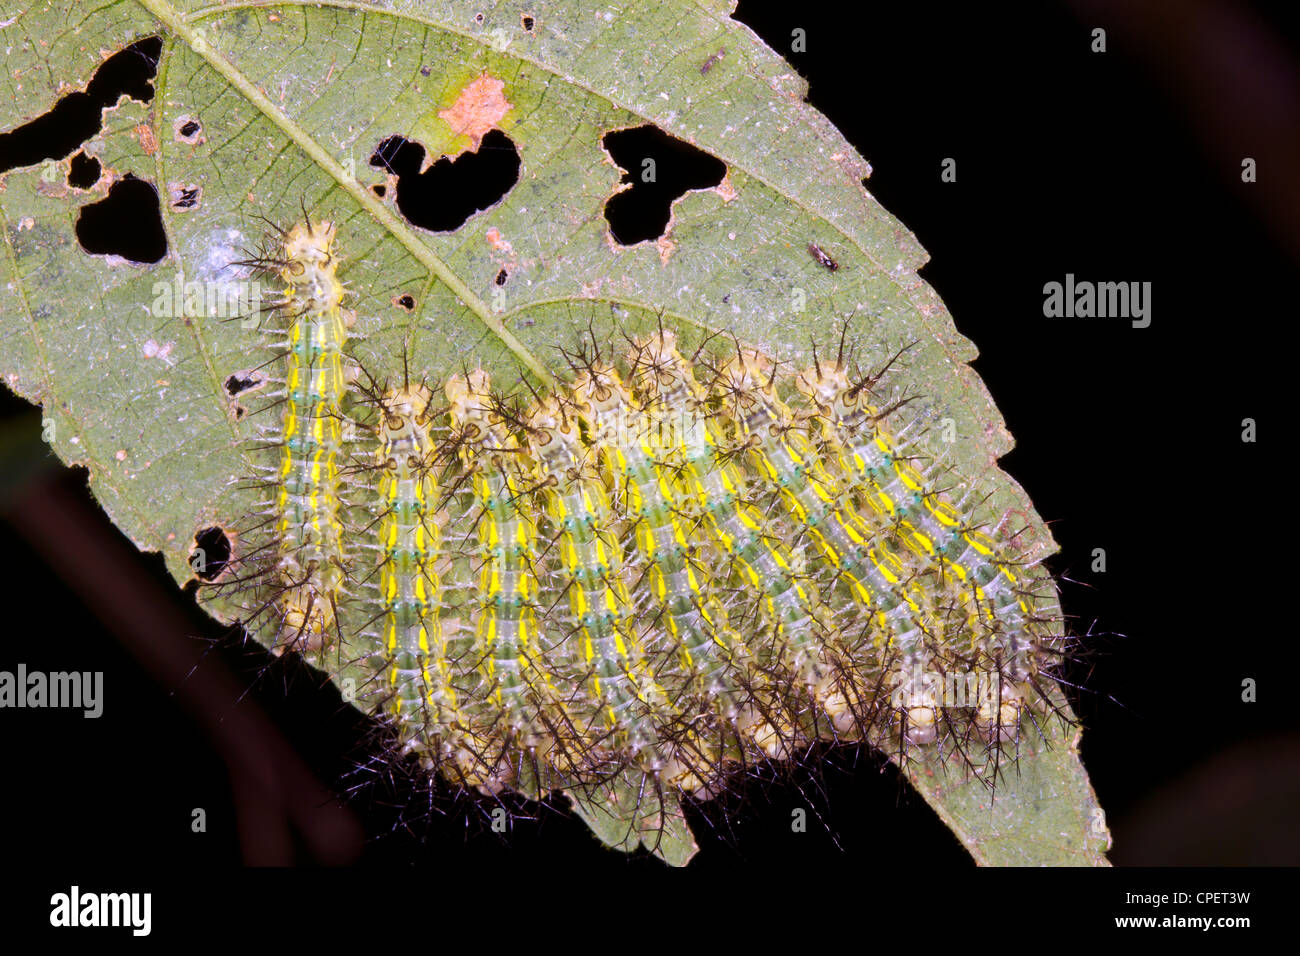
(672, 567)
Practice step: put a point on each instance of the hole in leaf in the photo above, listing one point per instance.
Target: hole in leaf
(210, 554)
(501, 277)
(185, 197)
(242, 382)
(380, 190)
(83, 171)
(527, 22)
(76, 117)
(127, 223)
(189, 130)
(445, 195)
(661, 169)
(406, 302)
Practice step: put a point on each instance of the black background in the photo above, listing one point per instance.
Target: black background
(1127, 439)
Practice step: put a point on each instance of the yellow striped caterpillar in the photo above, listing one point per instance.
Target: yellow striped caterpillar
(292, 556)
(630, 589)
(417, 665)
(675, 579)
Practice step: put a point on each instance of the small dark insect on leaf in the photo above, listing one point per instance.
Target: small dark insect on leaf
(819, 254)
(711, 61)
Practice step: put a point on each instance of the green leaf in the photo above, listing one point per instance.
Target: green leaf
(633, 816)
(292, 100)
(1041, 811)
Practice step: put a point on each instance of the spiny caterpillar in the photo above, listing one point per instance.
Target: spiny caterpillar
(299, 531)
(677, 578)
(408, 588)
(663, 573)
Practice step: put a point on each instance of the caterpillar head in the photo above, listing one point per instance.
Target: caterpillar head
(603, 403)
(553, 434)
(824, 383)
(309, 266)
(404, 421)
(599, 389)
(749, 371)
(471, 402)
(746, 384)
(308, 618)
(552, 421)
(657, 348)
(660, 370)
(407, 405)
(308, 246)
